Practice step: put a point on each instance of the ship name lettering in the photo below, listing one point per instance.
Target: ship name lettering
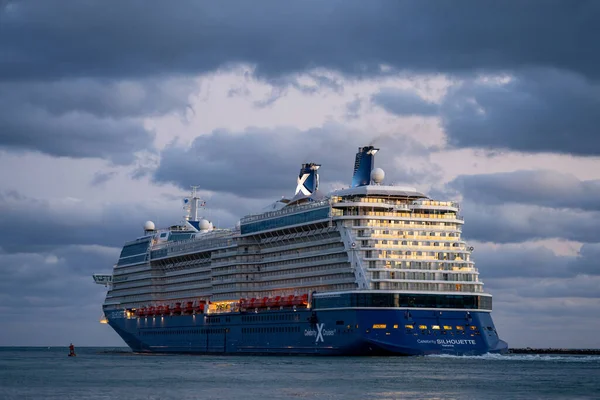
(455, 341)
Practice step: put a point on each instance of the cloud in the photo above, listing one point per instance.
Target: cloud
(263, 163)
(533, 111)
(70, 221)
(544, 188)
(102, 177)
(520, 260)
(279, 38)
(404, 102)
(83, 118)
(513, 223)
(587, 261)
(55, 289)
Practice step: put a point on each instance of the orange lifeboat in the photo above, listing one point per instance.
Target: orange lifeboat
(262, 302)
(167, 310)
(177, 309)
(151, 311)
(273, 301)
(200, 308)
(252, 303)
(189, 308)
(288, 301)
(243, 303)
(141, 312)
(300, 300)
(160, 310)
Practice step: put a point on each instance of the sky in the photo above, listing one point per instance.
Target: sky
(109, 112)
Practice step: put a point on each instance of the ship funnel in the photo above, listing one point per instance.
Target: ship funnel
(364, 163)
(308, 179)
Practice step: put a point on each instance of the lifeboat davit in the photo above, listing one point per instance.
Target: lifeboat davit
(167, 310)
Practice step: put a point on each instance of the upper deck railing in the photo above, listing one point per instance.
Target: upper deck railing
(284, 211)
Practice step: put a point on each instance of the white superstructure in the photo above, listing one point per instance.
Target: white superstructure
(368, 237)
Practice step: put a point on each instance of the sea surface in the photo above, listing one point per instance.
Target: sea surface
(102, 373)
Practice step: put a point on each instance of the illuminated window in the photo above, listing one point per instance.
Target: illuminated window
(435, 327)
(447, 327)
(396, 326)
(473, 328)
(379, 326)
(411, 327)
(422, 326)
(460, 328)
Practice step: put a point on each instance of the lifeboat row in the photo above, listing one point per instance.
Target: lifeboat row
(279, 301)
(176, 309)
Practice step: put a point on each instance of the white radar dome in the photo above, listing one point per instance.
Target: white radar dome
(204, 225)
(149, 226)
(377, 175)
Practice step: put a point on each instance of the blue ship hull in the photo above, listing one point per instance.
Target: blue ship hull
(351, 331)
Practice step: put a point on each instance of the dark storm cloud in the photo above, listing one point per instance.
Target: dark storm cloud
(514, 223)
(265, 162)
(53, 39)
(544, 188)
(84, 118)
(536, 111)
(404, 102)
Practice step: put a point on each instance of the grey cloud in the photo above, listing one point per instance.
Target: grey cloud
(580, 286)
(102, 177)
(513, 223)
(352, 108)
(102, 98)
(536, 111)
(54, 39)
(577, 286)
(265, 162)
(544, 188)
(518, 260)
(588, 260)
(72, 135)
(54, 291)
(73, 223)
(83, 118)
(404, 102)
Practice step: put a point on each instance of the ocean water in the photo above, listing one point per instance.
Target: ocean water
(100, 373)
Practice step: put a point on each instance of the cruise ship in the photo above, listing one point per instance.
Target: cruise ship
(372, 269)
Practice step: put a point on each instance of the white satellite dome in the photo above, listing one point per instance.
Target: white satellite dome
(149, 226)
(204, 225)
(377, 175)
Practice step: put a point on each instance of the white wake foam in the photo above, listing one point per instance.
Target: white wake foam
(524, 357)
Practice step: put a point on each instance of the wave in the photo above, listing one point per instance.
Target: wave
(523, 357)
